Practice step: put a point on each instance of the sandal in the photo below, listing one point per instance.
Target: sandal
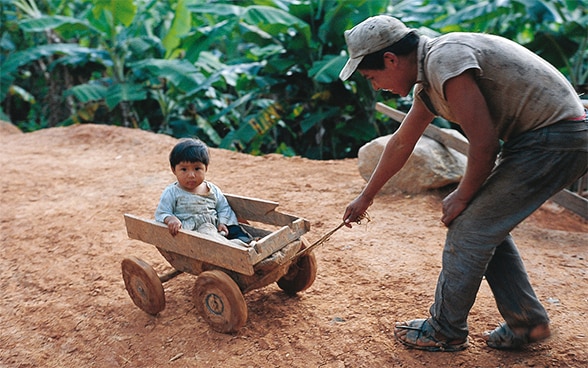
(504, 338)
(419, 334)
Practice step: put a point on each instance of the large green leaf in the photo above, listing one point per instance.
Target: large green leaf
(180, 27)
(553, 47)
(217, 9)
(316, 117)
(124, 92)
(474, 14)
(255, 125)
(122, 11)
(328, 69)
(21, 58)
(56, 22)
(343, 15)
(5, 83)
(203, 38)
(112, 95)
(275, 21)
(233, 106)
(541, 10)
(181, 73)
(87, 92)
(13, 62)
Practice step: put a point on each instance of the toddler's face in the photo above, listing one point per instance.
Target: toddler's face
(190, 174)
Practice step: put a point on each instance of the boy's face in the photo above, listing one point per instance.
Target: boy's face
(395, 77)
(190, 174)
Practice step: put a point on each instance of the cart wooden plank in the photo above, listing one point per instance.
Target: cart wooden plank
(278, 239)
(572, 201)
(203, 248)
(252, 205)
(254, 209)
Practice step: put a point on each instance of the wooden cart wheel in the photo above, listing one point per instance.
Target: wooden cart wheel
(300, 275)
(143, 285)
(220, 302)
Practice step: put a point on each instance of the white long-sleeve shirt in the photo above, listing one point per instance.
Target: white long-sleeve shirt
(193, 210)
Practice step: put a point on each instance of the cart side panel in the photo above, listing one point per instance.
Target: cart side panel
(182, 263)
(255, 231)
(254, 209)
(193, 245)
(272, 268)
(279, 239)
(241, 204)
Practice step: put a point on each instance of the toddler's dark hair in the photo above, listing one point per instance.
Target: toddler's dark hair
(189, 150)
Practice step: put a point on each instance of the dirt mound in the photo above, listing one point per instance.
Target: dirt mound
(7, 128)
(64, 193)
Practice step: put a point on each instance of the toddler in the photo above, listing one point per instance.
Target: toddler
(192, 203)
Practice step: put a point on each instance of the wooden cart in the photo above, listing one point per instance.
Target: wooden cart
(225, 271)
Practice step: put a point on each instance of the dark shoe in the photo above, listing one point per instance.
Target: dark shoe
(419, 334)
(504, 338)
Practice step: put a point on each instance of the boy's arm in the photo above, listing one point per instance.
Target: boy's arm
(395, 155)
(471, 112)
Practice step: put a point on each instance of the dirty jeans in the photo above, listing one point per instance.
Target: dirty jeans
(531, 168)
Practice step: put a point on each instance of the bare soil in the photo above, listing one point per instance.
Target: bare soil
(63, 195)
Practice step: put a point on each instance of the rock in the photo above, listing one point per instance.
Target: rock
(430, 166)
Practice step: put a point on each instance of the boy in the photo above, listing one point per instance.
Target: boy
(496, 90)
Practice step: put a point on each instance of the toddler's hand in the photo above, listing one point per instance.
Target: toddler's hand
(223, 229)
(174, 225)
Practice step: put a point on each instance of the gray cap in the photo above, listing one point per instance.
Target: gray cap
(371, 35)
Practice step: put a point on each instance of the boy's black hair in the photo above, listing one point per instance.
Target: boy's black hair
(189, 150)
(375, 60)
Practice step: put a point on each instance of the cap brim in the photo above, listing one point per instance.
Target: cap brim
(349, 68)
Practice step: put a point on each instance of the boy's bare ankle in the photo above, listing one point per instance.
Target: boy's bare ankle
(539, 332)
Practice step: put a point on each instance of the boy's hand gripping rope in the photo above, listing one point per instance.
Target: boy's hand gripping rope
(326, 237)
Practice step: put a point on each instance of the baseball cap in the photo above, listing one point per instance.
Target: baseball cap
(371, 35)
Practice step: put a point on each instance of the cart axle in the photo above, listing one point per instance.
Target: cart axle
(170, 275)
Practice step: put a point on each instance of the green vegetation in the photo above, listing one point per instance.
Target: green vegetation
(256, 76)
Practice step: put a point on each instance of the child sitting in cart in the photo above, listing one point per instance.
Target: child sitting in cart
(192, 203)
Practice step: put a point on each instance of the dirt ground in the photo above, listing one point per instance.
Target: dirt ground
(63, 195)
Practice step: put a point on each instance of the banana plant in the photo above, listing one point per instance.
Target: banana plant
(295, 102)
(116, 36)
(254, 75)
